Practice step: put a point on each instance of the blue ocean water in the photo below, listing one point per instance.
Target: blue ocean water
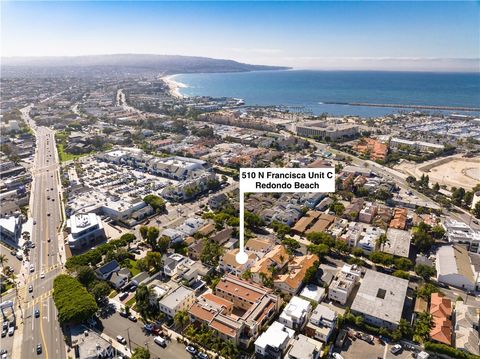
(310, 89)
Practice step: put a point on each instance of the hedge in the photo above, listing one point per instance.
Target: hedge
(74, 303)
(448, 350)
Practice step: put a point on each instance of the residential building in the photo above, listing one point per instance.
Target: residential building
(380, 299)
(259, 246)
(85, 229)
(303, 347)
(274, 341)
(398, 242)
(105, 271)
(343, 284)
(454, 268)
(276, 259)
(182, 298)
(322, 323)
(399, 220)
(467, 319)
(10, 229)
(228, 262)
(367, 213)
(422, 146)
(313, 293)
(291, 281)
(296, 313)
(373, 148)
(441, 311)
(256, 304)
(460, 232)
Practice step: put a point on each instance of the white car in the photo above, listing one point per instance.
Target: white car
(32, 268)
(337, 356)
(121, 339)
(160, 341)
(42, 275)
(397, 348)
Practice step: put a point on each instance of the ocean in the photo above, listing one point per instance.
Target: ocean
(314, 91)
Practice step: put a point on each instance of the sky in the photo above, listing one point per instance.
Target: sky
(379, 35)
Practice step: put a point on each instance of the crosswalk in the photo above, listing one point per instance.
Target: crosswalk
(37, 274)
(38, 299)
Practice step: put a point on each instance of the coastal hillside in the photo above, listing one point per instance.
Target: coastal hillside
(122, 64)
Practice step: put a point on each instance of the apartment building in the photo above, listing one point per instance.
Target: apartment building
(291, 281)
(343, 284)
(441, 310)
(296, 313)
(257, 304)
(182, 298)
(322, 323)
(327, 131)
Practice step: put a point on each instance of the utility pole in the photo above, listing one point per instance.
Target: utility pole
(129, 343)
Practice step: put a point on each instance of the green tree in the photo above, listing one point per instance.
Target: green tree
(140, 353)
(143, 299)
(157, 203)
(403, 264)
(437, 232)
(100, 290)
(85, 275)
(425, 271)
(291, 244)
(320, 250)
(425, 291)
(181, 319)
(422, 327)
(163, 244)
(210, 253)
(152, 236)
(476, 210)
(401, 274)
(154, 261)
(381, 241)
(311, 274)
(143, 232)
(338, 208)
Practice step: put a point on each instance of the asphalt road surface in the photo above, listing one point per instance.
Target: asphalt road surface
(45, 258)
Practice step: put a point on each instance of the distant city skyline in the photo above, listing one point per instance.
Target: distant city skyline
(409, 36)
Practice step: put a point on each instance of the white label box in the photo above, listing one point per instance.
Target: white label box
(280, 180)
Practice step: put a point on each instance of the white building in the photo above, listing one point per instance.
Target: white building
(181, 298)
(322, 323)
(455, 268)
(420, 145)
(274, 341)
(467, 321)
(325, 130)
(303, 347)
(380, 299)
(460, 232)
(84, 230)
(343, 284)
(10, 229)
(296, 313)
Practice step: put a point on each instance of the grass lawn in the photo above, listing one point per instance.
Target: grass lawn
(112, 294)
(133, 267)
(65, 156)
(131, 302)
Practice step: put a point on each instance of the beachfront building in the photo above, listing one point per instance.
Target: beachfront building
(327, 131)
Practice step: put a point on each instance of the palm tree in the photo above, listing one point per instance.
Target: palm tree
(3, 260)
(181, 319)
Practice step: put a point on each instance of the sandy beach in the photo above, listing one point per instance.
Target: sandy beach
(174, 86)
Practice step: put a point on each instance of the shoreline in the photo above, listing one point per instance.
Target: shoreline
(173, 86)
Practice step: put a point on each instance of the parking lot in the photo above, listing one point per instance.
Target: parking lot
(360, 349)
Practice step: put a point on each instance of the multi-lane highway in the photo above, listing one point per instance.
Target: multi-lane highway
(44, 262)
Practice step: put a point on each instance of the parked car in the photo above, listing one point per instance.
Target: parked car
(11, 330)
(337, 356)
(4, 333)
(132, 318)
(37, 312)
(203, 356)
(32, 268)
(123, 314)
(396, 349)
(160, 341)
(42, 275)
(30, 288)
(148, 327)
(123, 296)
(121, 339)
(191, 350)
